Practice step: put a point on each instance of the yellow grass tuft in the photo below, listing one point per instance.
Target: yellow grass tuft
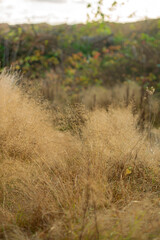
(100, 184)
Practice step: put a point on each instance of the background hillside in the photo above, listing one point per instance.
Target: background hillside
(117, 52)
(72, 62)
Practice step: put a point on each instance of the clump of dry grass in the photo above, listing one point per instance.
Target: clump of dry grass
(119, 95)
(121, 154)
(100, 184)
(26, 128)
(142, 100)
(70, 118)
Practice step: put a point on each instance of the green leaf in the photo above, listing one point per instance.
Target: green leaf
(19, 30)
(89, 5)
(114, 3)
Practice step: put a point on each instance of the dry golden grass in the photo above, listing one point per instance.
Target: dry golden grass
(100, 184)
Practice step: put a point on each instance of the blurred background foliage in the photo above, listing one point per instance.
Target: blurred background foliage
(76, 57)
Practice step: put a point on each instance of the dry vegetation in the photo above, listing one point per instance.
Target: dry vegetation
(85, 175)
